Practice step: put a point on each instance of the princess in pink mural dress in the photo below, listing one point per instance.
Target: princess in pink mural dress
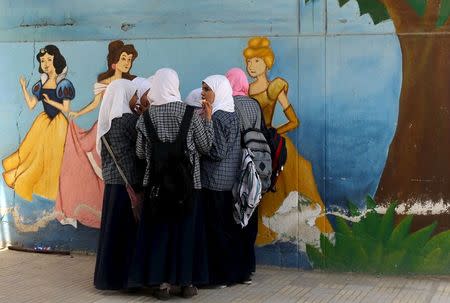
(80, 183)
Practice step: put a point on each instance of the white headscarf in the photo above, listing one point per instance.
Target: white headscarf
(194, 98)
(165, 87)
(115, 103)
(223, 93)
(142, 85)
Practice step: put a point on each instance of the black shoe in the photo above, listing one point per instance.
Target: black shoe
(162, 294)
(188, 292)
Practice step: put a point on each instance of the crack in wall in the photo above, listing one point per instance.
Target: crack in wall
(46, 23)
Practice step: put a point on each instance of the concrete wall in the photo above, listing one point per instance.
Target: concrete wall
(345, 84)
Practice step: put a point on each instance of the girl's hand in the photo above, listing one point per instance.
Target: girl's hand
(207, 110)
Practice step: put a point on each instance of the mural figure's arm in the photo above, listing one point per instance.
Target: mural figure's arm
(64, 107)
(288, 110)
(30, 99)
(88, 108)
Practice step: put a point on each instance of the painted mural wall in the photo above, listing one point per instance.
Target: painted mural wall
(358, 88)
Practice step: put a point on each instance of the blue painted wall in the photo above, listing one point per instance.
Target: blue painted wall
(344, 75)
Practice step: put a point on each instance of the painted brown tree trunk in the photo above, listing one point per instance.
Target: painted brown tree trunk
(418, 165)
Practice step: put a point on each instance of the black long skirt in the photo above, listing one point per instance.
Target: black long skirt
(173, 251)
(225, 240)
(117, 239)
(248, 237)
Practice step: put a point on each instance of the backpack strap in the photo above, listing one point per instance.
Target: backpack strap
(151, 131)
(185, 123)
(113, 156)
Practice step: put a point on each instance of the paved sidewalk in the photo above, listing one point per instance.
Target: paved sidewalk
(28, 277)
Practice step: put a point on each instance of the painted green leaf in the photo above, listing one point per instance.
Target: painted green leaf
(366, 240)
(418, 6)
(417, 240)
(350, 252)
(371, 223)
(387, 223)
(353, 209)
(431, 263)
(359, 259)
(370, 203)
(342, 226)
(342, 248)
(343, 2)
(315, 256)
(400, 232)
(441, 240)
(359, 230)
(326, 246)
(391, 262)
(376, 257)
(444, 12)
(374, 8)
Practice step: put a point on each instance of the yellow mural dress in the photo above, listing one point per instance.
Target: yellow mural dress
(35, 167)
(297, 174)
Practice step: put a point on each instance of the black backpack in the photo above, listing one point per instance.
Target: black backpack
(170, 187)
(278, 151)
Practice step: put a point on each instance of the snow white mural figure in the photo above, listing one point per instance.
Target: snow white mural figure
(35, 167)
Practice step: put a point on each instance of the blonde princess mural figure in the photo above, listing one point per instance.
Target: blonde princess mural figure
(297, 175)
(35, 167)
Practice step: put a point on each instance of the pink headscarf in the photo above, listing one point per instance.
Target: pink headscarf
(238, 81)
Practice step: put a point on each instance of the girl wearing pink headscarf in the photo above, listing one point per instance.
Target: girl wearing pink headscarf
(251, 111)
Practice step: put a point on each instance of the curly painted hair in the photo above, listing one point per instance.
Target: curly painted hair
(59, 62)
(115, 49)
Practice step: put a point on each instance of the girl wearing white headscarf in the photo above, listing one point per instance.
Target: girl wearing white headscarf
(194, 98)
(170, 252)
(219, 172)
(143, 86)
(116, 123)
